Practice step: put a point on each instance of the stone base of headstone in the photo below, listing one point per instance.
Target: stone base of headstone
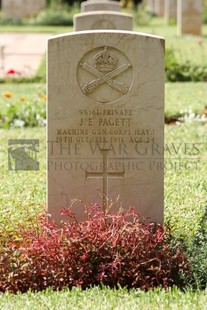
(102, 20)
(105, 122)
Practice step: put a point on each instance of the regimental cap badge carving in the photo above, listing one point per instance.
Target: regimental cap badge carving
(105, 60)
(105, 74)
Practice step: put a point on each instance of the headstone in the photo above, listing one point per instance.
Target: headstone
(105, 122)
(100, 5)
(159, 7)
(17, 9)
(189, 17)
(151, 6)
(170, 10)
(102, 20)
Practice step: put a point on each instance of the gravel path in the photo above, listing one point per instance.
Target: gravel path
(21, 53)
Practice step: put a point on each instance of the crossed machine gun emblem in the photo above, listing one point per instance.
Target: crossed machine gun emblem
(106, 64)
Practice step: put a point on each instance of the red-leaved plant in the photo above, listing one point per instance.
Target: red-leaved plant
(109, 248)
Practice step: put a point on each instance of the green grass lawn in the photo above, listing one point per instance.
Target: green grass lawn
(106, 299)
(34, 29)
(23, 193)
(185, 97)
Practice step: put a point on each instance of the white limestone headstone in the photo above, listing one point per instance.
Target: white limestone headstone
(100, 5)
(189, 17)
(105, 122)
(170, 10)
(159, 7)
(151, 6)
(102, 20)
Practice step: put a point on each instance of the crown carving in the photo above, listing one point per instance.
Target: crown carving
(105, 61)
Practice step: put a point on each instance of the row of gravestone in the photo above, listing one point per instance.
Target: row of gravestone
(188, 13)
(102, 14)
(105, 121)
(109, 16)
(17, 9)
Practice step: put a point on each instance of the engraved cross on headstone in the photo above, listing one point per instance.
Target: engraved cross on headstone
(105, 174)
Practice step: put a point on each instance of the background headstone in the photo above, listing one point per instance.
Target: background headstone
(17, 9)
(102, 20)
(151, 6)
(170, 10)
(189, 18)
(100, 5)
(105, 122)
(159, 7)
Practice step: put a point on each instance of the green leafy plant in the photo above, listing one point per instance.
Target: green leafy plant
(142, 17)
(23, 113)
(11, 22)
(180, 72)
(57, 14)
(53, 17)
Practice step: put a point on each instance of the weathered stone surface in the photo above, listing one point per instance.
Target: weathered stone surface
(106, 122)
(189, 17)
(17, 9)
(170, 10)
(102, 20)
(102, 5)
